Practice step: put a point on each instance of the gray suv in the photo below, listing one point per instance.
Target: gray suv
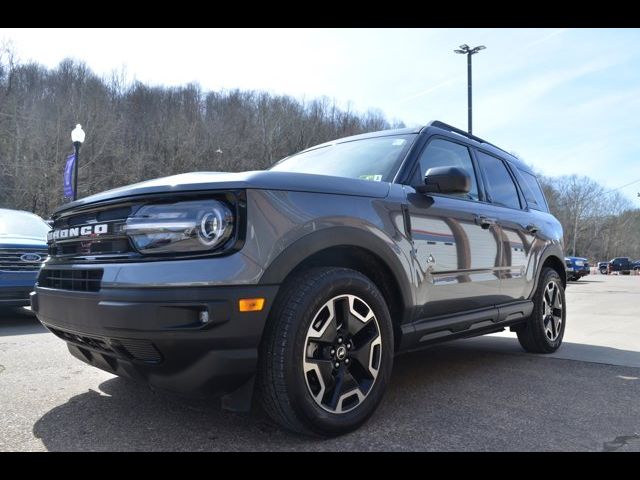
(302, 282)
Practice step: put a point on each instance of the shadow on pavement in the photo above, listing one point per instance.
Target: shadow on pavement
(568, 351)
(460, 396)
(19, 321)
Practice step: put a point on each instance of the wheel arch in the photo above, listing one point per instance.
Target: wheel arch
(350, 248)
(554, 261)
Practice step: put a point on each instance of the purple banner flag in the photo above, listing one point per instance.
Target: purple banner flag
(68, 175)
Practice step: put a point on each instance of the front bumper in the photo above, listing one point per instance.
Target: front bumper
(156, 334)
(15, 296)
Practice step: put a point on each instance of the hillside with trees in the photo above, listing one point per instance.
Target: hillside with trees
(137, 132)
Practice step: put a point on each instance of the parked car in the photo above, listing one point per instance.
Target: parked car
(636, 265)
(603, 267)
(622, 265)
(577, 267)
(307, 278)
(23, 248)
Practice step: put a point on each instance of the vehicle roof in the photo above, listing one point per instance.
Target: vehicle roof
(453, 132)
(18, 212)
(361, 136)
(441, 128)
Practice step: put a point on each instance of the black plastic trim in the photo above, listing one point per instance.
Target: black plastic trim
(315, 242)
(194, 358)
(448, 327)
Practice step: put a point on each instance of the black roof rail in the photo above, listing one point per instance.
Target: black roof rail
(449, 128)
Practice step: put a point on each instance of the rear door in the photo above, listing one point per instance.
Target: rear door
(516, 227)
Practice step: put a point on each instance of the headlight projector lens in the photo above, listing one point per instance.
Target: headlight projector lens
(212, 227)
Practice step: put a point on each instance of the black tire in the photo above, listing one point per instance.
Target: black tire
(533, 335)
(603, 271)
(282, 382)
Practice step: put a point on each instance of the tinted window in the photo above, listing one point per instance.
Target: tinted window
(532, 191)
(376, 159)
(500, 186)
(442, 153)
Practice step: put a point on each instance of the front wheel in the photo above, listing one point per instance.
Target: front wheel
(544, 329)
(327, 352)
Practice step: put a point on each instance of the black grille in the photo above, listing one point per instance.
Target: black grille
(115, 243)
(11, 259)
(96, 216)
(142, 350)
(85, 280)
(94, 343)
(95, 247)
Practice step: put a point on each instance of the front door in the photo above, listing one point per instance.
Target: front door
(457, 245)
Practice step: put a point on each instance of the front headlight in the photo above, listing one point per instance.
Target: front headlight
(192, 226)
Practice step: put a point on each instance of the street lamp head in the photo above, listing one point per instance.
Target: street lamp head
(465, 49)
(77, 135)
(477, 49)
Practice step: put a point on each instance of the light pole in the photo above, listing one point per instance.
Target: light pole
(77, 137)
(464, 49)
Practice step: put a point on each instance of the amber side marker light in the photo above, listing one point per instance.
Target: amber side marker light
(251, 304)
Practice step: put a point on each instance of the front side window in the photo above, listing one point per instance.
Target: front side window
(376, 158)
(500, 186)
(442, 153)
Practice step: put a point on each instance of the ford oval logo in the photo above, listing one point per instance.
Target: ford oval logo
(31, 257)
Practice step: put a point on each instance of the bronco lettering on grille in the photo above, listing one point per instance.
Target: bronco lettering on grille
(82, 231)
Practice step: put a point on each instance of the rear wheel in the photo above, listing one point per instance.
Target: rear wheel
(544, 329)
(327, 352)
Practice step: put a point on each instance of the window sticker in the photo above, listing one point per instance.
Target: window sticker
(373, 178)
(399, 141)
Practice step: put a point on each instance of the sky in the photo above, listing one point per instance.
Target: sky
(564, 100)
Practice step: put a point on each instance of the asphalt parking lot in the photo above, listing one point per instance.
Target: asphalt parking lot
(482, 394)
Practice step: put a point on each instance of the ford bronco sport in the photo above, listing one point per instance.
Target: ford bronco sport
(303, 281)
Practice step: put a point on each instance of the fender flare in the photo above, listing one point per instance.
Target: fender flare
(551, 251)
(341, 236)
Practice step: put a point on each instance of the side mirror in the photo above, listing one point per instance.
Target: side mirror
(445, 180)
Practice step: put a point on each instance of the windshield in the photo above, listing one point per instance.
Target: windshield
(20, 224)
(376, 159)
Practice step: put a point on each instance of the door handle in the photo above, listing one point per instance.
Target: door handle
(531, 228)
(485, 222)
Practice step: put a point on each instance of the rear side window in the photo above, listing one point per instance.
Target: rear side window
(532, 191)
(500, 186)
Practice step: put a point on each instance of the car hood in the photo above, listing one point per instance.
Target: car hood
(11, 241)
(262, 179)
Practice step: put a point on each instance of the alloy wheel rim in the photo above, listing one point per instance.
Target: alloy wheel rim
(342, 354)
(552, 311)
